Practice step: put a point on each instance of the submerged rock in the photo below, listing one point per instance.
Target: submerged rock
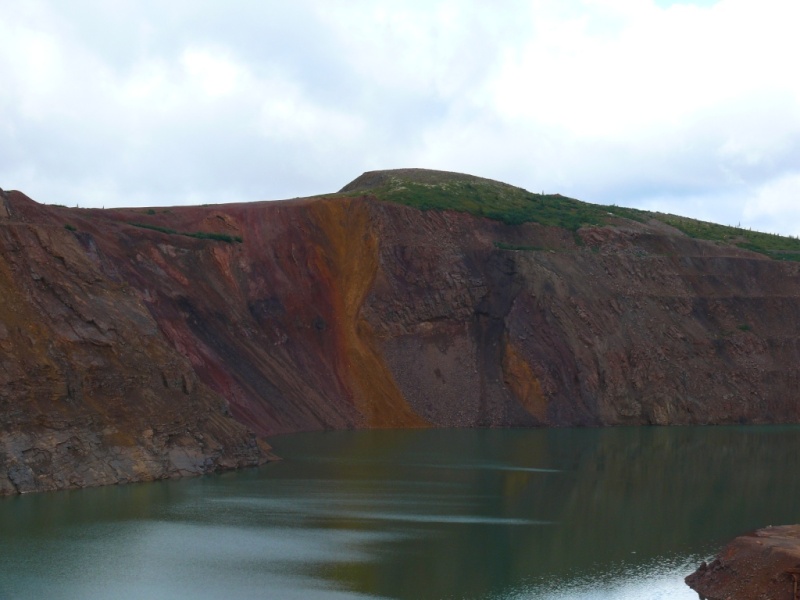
(762, 565)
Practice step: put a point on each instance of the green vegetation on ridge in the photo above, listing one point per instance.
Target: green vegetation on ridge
(775, 246)
(501, 202)
(203, 235)
(441, 190)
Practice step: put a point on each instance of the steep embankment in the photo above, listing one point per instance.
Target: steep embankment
(126, 343)
(91, 392)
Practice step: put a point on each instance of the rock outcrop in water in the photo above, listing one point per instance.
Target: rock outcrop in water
(763, 565)
(140, 344)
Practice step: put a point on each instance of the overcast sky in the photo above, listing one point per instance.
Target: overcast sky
(690, 107)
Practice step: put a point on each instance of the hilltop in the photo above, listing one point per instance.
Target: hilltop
(444, 190)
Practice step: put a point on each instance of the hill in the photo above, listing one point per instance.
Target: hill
(148, 343)
(443, 190)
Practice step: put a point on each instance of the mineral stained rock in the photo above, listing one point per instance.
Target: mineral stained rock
(762, 565)
(131, 351)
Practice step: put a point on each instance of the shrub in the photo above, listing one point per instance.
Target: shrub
(499, 202)
(435, 190)
(220, 237)
(166, 230)
(202, 235)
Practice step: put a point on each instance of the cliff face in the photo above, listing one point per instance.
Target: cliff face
(130, 353)
(634, 324)
(91, 391)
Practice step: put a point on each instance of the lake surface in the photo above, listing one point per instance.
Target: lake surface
(441, 514)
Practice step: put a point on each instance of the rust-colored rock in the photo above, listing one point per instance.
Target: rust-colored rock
(129, 353)
(762, 565)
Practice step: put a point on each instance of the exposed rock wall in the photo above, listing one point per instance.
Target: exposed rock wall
(91, 392)
(126, 350)
(628, 325)
(762, 565)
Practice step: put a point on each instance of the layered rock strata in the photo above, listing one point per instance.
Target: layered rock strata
(132, 351)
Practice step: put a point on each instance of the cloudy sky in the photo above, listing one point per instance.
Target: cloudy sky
(690, 107)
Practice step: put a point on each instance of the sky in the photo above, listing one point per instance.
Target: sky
(687, 107)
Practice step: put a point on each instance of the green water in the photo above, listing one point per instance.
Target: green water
(490, 514)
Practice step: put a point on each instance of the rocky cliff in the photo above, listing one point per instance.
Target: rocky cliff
(139, 344)
(762, 565)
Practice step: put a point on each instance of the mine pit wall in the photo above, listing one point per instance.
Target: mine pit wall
(623, 326)
(273, 324)
(130, 354)
(90, 392)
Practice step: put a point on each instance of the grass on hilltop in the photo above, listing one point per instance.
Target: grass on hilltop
(775, 246)
(439, 190)
(501, 202)
(203, 235)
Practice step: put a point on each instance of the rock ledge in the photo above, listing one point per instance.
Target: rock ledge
(761, 565)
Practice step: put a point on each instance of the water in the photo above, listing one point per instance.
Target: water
(492, 514)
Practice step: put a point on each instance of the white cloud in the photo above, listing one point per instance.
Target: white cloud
(689, 106)
(776, 202)
(211, 73)
(660, 68)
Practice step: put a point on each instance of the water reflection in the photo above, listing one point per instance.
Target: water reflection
(504, 515)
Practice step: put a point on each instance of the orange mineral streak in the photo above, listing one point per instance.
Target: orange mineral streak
(524, 383)
(348, 259)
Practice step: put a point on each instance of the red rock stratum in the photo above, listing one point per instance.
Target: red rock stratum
(762, 565)
(129, 351)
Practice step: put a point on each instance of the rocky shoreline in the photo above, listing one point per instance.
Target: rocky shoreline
(761, 565)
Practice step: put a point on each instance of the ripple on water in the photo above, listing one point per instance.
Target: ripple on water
(661, 579)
